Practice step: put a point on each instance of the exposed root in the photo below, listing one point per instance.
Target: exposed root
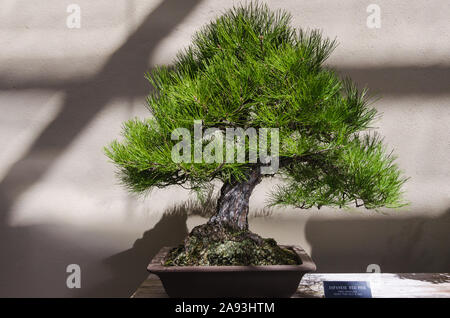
(210, 244)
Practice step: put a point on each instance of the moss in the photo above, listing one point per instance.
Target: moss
(211, 245)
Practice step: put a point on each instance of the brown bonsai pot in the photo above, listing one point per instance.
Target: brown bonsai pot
(231, 281)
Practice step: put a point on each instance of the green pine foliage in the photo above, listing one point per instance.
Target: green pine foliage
(250, 68)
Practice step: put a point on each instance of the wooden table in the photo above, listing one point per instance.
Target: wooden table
(382, 285)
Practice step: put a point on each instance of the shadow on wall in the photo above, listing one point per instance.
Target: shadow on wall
(401, 80)
(122, 76)
(127, 270)
(33, 262)
(34, 259)
(414, 245)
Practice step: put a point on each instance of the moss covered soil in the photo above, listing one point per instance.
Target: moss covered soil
(212, 245)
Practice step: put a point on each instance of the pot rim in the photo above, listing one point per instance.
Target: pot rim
(307, 265)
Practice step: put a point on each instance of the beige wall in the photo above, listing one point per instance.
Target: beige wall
(64, 93)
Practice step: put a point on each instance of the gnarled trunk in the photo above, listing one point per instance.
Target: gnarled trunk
(232, 205)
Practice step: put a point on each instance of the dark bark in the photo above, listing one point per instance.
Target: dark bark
(232, 205)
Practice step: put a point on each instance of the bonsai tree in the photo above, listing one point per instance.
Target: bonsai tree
(250, 71)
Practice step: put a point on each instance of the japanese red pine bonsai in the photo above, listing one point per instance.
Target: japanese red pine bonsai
(248, 84)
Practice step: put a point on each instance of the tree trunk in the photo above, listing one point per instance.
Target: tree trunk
(232, 205)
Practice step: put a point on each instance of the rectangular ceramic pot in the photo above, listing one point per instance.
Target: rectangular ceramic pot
(231, 281)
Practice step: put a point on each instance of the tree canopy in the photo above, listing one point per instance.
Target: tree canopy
(249, 68)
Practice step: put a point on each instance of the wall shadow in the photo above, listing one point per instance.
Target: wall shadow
(401, 80)
(127, 270)
(388, 80)
(34, 259)
(123, 72)
(397, 245)
(33, 262)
